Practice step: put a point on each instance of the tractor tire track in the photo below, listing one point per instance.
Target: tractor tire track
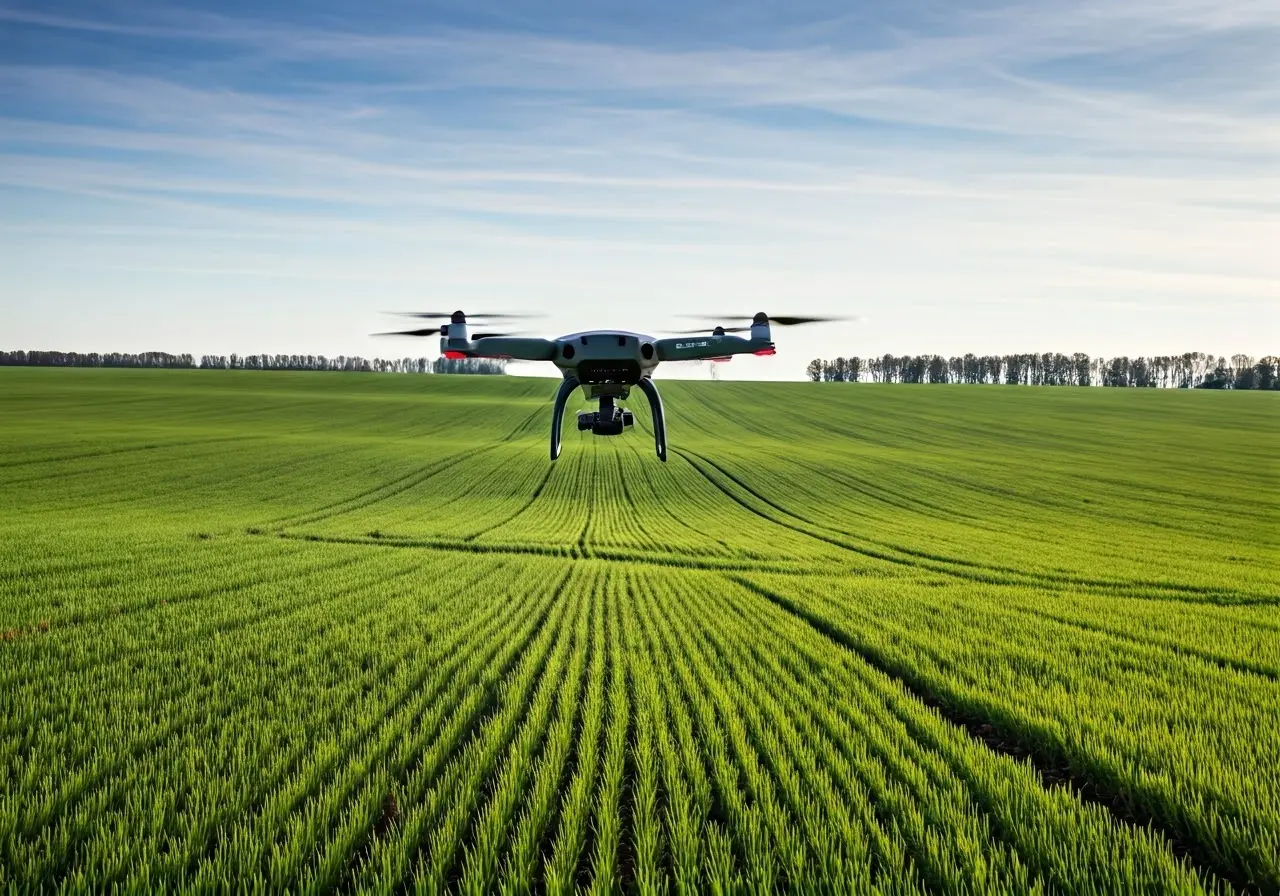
(836, 542)
(908, 552)
(1230, 664)
(151, 446)
(976, 572)
(791, 683)
(883, 495)
(373, 495)
(133, 465)
(392, 488)
(667, 560)
(532, 499)
(590, 500)
(525, 424)
(666, 508)
(1052, 768)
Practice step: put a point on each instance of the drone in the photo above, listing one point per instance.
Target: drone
(605, 364)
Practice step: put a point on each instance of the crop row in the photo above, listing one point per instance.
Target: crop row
(291, 632)
(493, 724)
(231, 751)
(1178, 727)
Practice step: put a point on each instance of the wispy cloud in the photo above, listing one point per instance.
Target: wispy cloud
(1090, 152)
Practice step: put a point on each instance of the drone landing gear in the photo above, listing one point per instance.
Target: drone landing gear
(659, 419)
(567, 385)
(610, 420)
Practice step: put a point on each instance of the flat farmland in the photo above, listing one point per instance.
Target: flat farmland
(340, 633)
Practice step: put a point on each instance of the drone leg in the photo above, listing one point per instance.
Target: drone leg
(659, 419)
(557, 413)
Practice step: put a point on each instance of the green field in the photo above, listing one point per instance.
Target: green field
(342, 633)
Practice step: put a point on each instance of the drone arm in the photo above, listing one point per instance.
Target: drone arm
(515, 348)
(659, 419)
(704, 348)
(567, 385)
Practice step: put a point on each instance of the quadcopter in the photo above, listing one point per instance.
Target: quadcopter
(605, 364)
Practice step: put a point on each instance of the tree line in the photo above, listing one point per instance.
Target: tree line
(1192, 370)
(351, 363)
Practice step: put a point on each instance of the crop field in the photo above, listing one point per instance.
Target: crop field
(334, 633)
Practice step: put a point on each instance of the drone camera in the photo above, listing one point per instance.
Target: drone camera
(607, 422)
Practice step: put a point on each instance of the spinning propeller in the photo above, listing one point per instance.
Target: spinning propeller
(454, 317)
(761, 318)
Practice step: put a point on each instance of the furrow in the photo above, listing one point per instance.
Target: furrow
(1052, 771)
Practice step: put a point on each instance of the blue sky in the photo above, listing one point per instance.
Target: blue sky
(1094, 176)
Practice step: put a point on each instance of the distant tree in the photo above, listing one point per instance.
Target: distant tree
(1191, 369)
(481, 366)
(888, 369)
(995, 366)
(260, 361)
(1219, 378)
(912, 369)
(1265, 373)
(1118, 372)
(1081, 367)
(1140, 373)
(937, 369)
(1012, 370)
(1245, 378)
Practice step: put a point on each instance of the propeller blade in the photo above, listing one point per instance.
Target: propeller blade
(781, 320)
(433, 331)
(475, 336)
(711, 330)
(797, 321)
(427, 315)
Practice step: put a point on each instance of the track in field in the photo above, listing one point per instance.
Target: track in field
(353, 649)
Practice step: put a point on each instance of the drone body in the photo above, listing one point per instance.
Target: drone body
(605, 364)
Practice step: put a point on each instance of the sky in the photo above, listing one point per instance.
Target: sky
(992, 177)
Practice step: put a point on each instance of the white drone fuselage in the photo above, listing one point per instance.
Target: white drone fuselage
(606, 362)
